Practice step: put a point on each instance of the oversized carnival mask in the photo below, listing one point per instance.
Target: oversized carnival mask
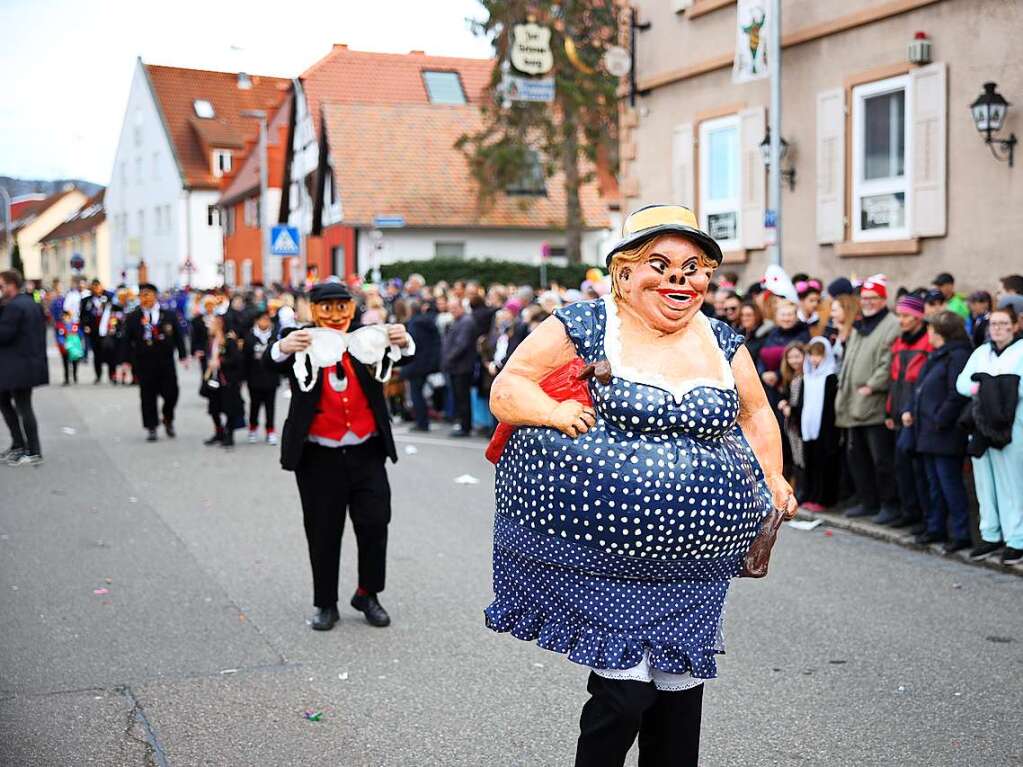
(370, 345)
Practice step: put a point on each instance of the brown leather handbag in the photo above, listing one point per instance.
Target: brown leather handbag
(759, 555)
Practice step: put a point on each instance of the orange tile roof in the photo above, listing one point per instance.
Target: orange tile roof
(400, 159)
(346, 76)
(176, 90)
(34, 208)
(86, 218)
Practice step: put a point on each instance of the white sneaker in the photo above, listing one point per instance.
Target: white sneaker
(26, 460)
(271, 438)
(252, 437)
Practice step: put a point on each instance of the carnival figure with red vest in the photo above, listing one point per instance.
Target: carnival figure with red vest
(337, 439)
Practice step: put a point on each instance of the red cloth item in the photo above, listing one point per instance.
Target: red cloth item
(877, 283)
(561, 384)
(342, 411)
(908, 359)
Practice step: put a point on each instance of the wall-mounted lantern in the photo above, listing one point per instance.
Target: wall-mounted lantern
(989, 116)
(765, 150)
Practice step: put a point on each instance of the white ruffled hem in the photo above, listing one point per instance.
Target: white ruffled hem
(663, 681)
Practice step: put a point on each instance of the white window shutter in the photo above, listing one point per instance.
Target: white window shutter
(929, 147)
(753, 176)
(682, 179)
(831, 166)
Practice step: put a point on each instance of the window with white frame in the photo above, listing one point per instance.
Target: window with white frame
(720, 181)
(229, 273)
(247, 271)
(142, 222)
(449, 250)
(251, 213)
(138, 170)
(156, 165)
(158, 218)
(221, 162)
(881, 204)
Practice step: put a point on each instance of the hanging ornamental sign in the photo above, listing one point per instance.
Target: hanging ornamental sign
(530, 51)
(752, 27)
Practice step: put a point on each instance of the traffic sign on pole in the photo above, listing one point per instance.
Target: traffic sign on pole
(285, 241)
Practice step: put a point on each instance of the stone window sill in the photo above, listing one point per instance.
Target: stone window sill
(909, 247)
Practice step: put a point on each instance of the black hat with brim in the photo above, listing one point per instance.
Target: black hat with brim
(329, 291)
(656, 220)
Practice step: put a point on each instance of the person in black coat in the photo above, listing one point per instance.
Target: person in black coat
(151, 337)
(814, 412)
(199, 330)
(458, 360)
(422, 327)
(934, 414)
(92, 309)
(337, 439)
(222, 383)
(22, 367)
(261, 380)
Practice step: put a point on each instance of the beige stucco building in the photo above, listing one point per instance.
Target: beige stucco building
(891, 174)
(85, 233)
(35, 221)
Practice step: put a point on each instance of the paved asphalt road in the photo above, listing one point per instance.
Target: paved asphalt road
(852, 652)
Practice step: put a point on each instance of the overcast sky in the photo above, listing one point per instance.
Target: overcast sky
(67, 64)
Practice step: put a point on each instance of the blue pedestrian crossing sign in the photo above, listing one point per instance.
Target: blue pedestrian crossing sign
(284, 241)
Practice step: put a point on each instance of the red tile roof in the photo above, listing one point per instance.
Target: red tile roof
(345, 76)
(34, 208)
(401, 160)
(85, 219)
(25, 204)
(177, 89)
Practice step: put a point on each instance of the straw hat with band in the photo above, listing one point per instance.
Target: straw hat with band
(655, 220)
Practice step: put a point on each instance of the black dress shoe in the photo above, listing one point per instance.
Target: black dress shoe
(375, 614)
(216, 439)
(169, 426)
(953, 546)
(325, 619)
(918, 528)
(151, 436)
(887, 517)
(925, 539)
(905, 521)
(985, 549)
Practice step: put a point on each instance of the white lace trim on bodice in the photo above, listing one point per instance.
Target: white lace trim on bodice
(613, 352)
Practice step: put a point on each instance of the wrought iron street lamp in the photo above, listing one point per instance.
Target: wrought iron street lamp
(989, 116)
(765, 151)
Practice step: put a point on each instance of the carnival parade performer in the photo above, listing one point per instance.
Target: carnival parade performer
(337, 439)
(620, 524)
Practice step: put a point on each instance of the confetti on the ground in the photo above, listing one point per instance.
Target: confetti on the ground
(229, 671)
(343, 676)
(132, 499)
(804, 524)
(828, 533)
(467, 479)
(69, 430)
(411, 449)
(313, 716)
(537, 665)
(100, 592)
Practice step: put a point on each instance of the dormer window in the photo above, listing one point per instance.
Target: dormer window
(221, 162)
(203, 109)
(244, 81)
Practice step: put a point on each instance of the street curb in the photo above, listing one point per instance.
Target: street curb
(887, 534)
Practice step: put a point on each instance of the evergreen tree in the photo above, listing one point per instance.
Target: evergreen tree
(16, 263)
(578, 129)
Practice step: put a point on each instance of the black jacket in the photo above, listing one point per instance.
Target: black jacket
(92, 311)
(459, 355)
(991, 413)
(426, 336)
(303, 407)
(157, 354)
(199, 335)
(22, 344)
(258, 375)
(828, 439)
(936, 404)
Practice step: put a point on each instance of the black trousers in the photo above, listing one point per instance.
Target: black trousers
(69, 366)
(16, 406)
(821, 477)
(872, 465)
(668, 724)
(461, 385)
(261, 398)
(153, 384)
(100, 357)
(333, 481)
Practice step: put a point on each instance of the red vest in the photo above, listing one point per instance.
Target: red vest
(342, 411)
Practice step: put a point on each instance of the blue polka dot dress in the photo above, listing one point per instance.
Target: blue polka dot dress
(617, 547)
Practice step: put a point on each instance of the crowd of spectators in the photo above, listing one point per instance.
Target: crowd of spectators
(881, 393)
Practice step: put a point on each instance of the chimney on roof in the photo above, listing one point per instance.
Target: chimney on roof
(244, 81)
(417, 53)
(341, 46)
